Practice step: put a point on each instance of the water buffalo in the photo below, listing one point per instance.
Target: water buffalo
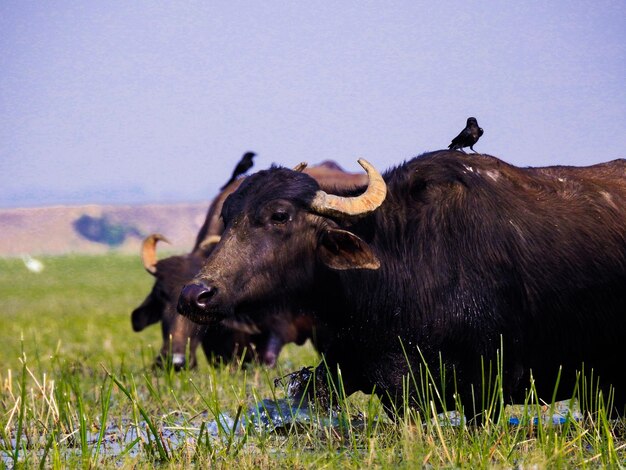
(220, 342)
(445, 260)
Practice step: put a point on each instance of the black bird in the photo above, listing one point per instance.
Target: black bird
(244, 165)
(467, 137)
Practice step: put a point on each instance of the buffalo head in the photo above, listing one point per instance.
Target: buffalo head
(181, 336)
(263, 262)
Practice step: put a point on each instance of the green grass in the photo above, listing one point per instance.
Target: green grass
(76, 381)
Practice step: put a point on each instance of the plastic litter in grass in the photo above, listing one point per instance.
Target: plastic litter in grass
(559, 413)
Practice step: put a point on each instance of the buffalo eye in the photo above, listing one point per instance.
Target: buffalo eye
(280, 216)
(277, 213)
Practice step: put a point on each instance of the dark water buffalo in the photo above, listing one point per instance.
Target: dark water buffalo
(220, 342)
(445, 259)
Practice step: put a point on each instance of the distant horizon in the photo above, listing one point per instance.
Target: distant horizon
(85, 199)
(133, 196)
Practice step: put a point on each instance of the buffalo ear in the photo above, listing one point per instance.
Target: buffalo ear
(340, 249)
(146, 314)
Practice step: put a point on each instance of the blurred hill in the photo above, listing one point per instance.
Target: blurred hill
(97, 228)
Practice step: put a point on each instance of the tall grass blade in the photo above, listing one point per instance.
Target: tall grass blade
(105, 403)
(22, 412)
(163, 454)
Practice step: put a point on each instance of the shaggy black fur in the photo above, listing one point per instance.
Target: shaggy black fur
(476, 256)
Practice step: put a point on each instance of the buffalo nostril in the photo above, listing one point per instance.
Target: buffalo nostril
(205, 296)
(196, 295)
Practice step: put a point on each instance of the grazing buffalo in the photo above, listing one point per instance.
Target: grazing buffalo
(220, 342)
(445, 260)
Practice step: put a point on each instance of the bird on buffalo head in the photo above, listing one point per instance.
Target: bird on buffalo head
(244, 165)
(467, 137)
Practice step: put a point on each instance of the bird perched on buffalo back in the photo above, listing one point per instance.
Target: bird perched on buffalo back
(244, 165)
(467, 137)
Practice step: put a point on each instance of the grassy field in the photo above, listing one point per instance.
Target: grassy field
(78, 390)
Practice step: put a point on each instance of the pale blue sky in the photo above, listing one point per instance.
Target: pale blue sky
(128, 102)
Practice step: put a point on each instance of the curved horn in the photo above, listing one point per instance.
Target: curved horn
(328, 204)
(211, 240)
(148, 251)
(300, 166)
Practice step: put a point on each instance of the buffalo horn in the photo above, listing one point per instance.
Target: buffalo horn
(328, 204)
(148, 251)
(211, 240)
(300, 166)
